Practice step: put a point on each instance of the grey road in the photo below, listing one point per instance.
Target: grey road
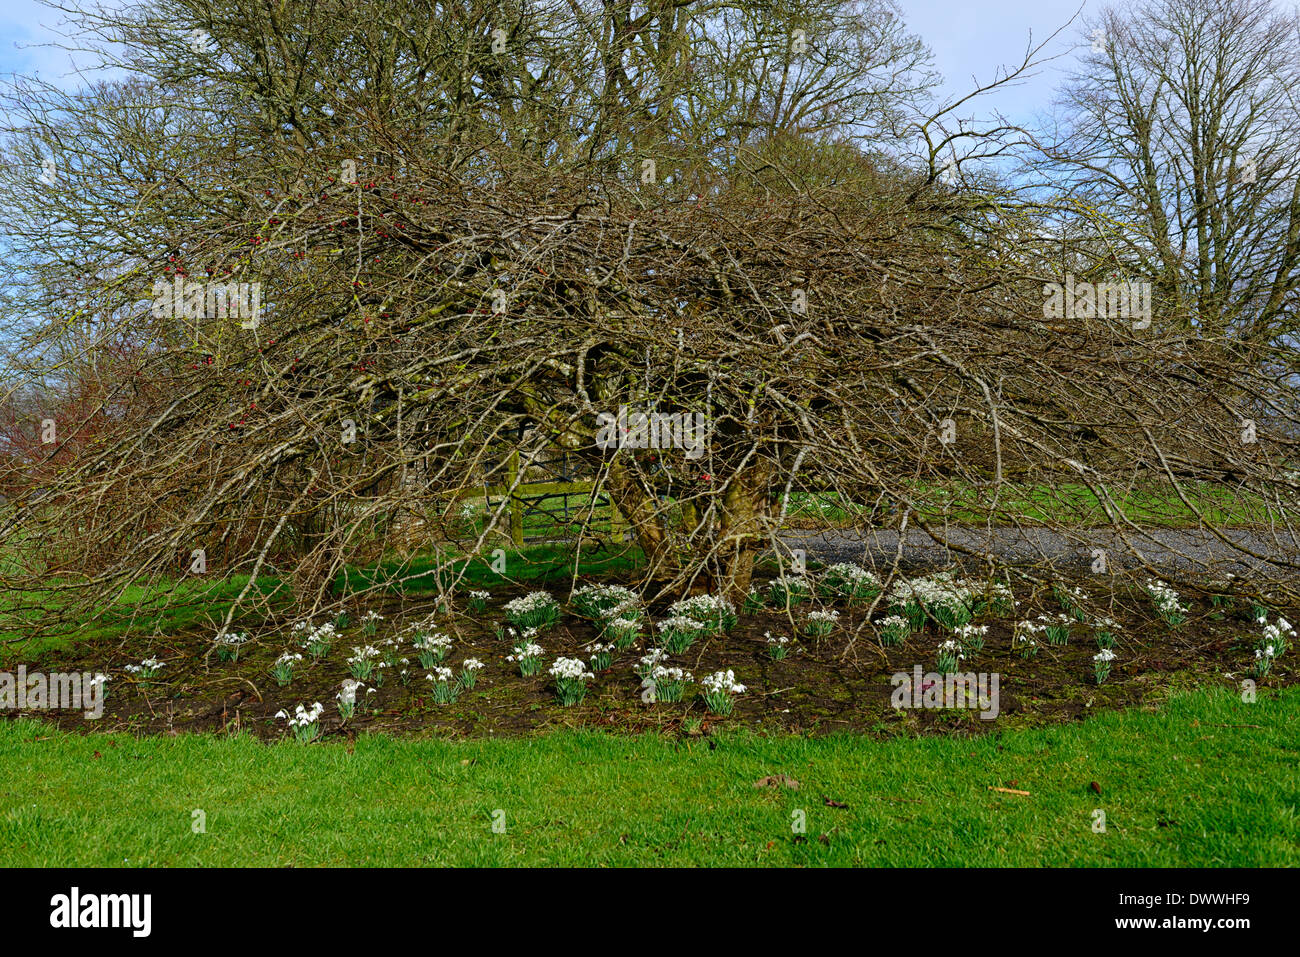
(1189, 552)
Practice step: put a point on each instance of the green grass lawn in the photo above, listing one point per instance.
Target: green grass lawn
(1205, 781)
(1066, 503)
(174, 606)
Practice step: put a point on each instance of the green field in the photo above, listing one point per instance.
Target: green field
(1065, 503)
(1204, 781)
(178, 605)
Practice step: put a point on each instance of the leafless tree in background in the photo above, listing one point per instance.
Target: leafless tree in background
(476, 221)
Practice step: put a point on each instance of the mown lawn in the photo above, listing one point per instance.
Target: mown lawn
(177, 605)
(1207, 780)
(1064, 503)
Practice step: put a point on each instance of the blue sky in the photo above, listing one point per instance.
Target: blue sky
(975, 38)
(26, 30)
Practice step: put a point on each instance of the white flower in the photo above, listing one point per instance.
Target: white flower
(440, 674)
(315, 634)
(302, 716)
(851, 571)
(533, 601)
(939, 591)
(1280, 632)
(1164, 597)
(471, 664)
(722, 682)
(606, 601)
(1104, 655)
(434, 642)
(794, 584)
(650, 661)
(702, 608)
(349, 693)
(680, 623)
(665, 675)
(529, 650)
(574, 669)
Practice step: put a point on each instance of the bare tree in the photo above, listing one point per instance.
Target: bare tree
(1179, 154)
(494, 222)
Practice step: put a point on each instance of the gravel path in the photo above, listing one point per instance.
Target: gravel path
(1186, 551)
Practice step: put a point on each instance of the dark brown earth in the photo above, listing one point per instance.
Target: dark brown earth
(840, 683)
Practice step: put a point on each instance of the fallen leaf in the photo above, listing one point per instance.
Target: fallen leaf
(1095, 786)
(777, 781)
(829, 803)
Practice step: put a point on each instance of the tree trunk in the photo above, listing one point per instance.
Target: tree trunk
(643, 517)
(744, 519)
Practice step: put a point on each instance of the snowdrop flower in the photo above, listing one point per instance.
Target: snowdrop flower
(606, 602)
(1167, 602)
(1101, 664)
(147, 668)
(529, 658)
(647, 664)
(722, 681)
(571, 676)
(469, 669)
(303, 723)
(664, 684)
(820, 623)
(777, 647)
(535, 610)
(712, 612)
(720, 689)
(529, 650)
(574, 668)
(850, 580)
(432, 649)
